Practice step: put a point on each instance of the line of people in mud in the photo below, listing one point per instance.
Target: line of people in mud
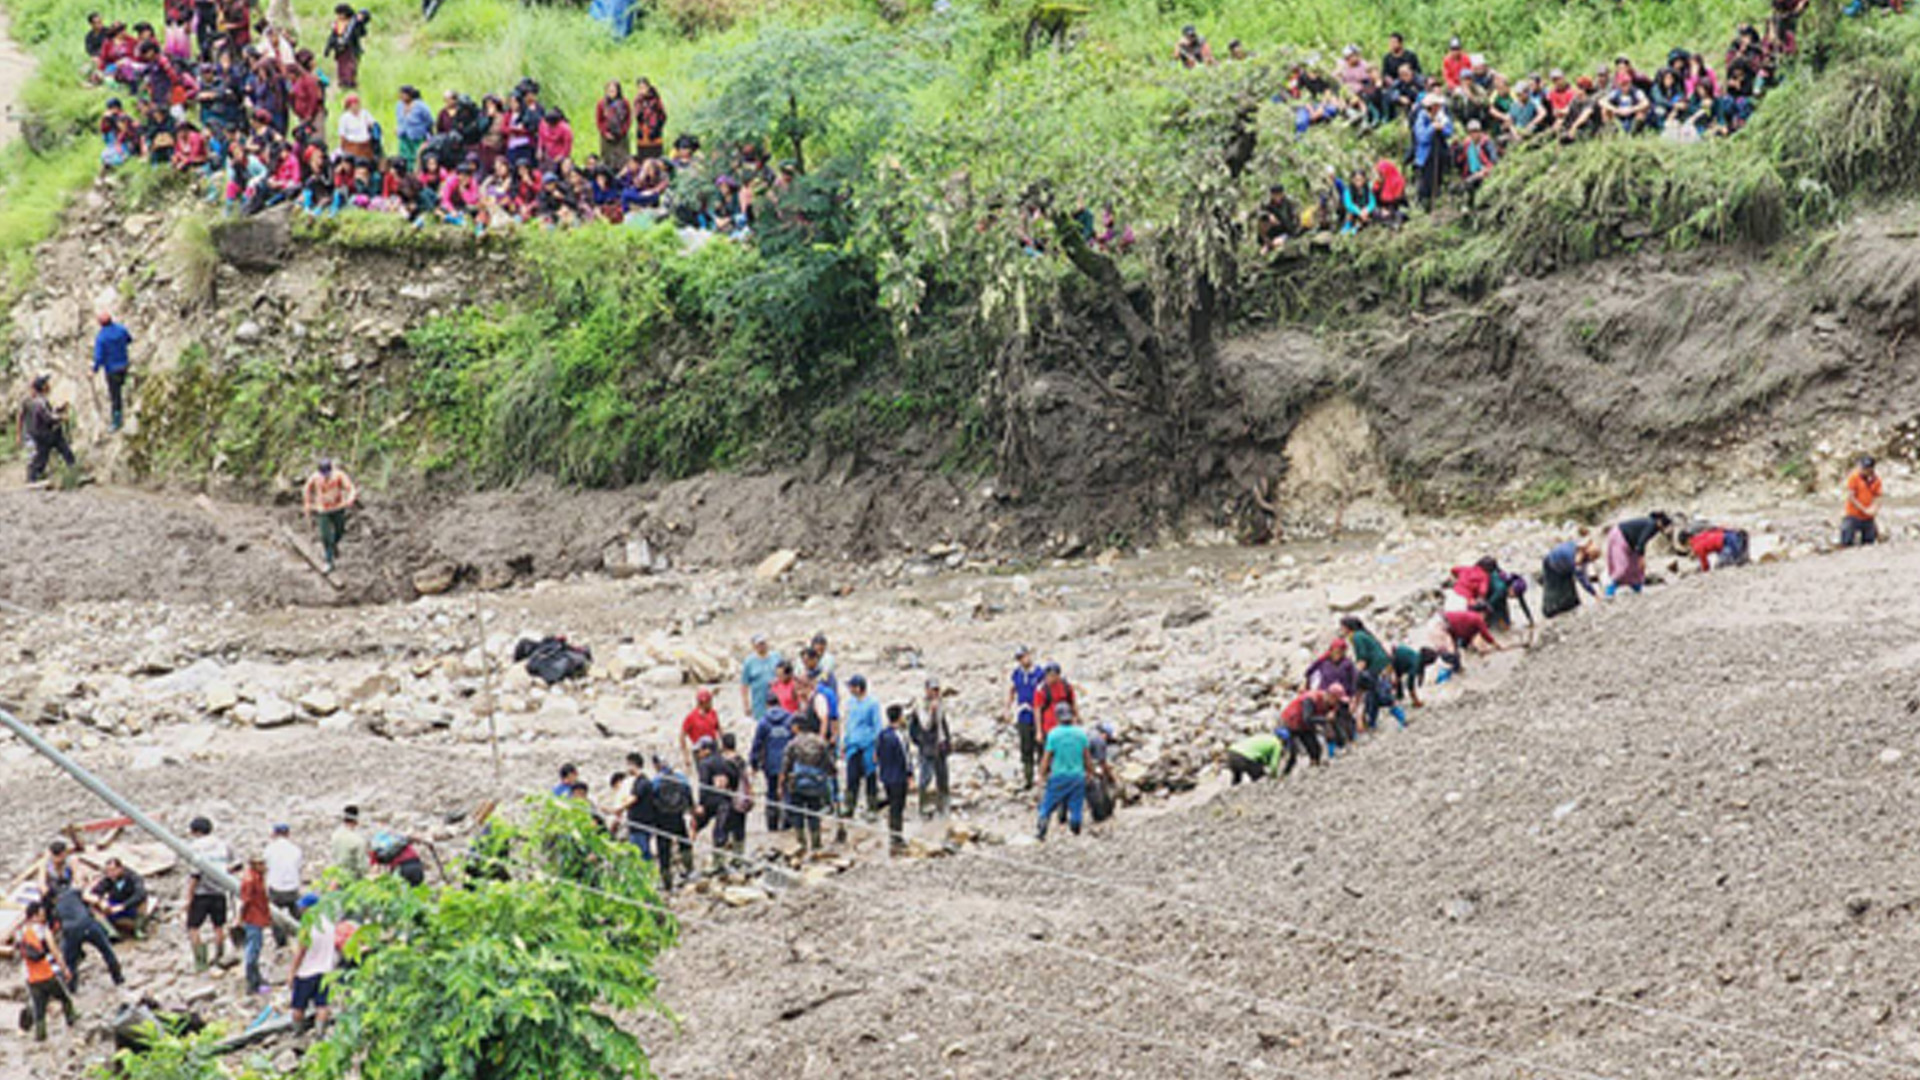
(1358, 677)
(70, 915)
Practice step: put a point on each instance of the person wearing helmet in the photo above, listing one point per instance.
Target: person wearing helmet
(1027, 678)
(701, 723)
(43, 430)
(1859, 519)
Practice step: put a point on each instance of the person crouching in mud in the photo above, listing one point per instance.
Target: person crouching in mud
(1627, 550)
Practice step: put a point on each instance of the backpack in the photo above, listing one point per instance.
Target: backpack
(773, 749)
(671, 795)
(387, 846)
(811, 782)
(552, 659)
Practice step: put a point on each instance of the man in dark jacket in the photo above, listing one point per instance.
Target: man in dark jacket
(110, 347)
(933, 739)
(896, 773)
(45, 430)
(721, 779)
(79, 928)
(120, 896)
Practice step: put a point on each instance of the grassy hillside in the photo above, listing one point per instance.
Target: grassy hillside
(936, 142)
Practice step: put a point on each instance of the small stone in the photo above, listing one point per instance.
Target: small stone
(1889, 756)
(741, 895)
(272, 711)
(221, 696)
(1345, 598)
(320, 702)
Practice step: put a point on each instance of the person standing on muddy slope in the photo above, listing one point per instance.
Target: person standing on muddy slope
(862, 734)
(1053, 692)
(1627, 550)
(757, 673)
(328, 494)
(1063, 768)
(1859, 520)
(206, 901)
(933, 740)
(1026, 680)
(349, 846)
(43, 429)
(110, 359)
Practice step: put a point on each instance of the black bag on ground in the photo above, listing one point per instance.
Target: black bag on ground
(552, 659)
(1099, 798)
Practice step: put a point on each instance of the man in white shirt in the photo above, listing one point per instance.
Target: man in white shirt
(284, 860)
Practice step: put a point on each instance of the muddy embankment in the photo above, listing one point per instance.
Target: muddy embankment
(1640, 376)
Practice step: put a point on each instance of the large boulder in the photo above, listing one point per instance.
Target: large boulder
(260, 243)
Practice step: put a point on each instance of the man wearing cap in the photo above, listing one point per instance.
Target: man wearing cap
(314, 958)
(1064, 767)
(856, 745)
(348, 847)
(1859, 519)
(1053, 692)
(120, 896)
(757, 673)
(43, 428)
(1432, 127)
(1455, 65)
(110, 359)
(721, 779)
(327, 495)
(413, 123)
(256, 918)
(702, 724)
(1026, 680)
(284, 861)
(933, 739)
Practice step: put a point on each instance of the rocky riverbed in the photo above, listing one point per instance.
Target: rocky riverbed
(252, 716)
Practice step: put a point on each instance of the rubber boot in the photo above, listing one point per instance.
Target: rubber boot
(199, 958)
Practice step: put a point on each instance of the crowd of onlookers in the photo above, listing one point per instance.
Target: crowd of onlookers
(246, 109)
(243, 105)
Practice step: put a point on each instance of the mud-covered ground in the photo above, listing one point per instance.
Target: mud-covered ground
(1678, 800)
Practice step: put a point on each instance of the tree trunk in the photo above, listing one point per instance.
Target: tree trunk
(1143, 344)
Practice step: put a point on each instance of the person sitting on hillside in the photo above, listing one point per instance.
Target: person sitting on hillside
(1582, 117)
(1455, 65)
(1626, 105)
(1476, 155)
(1362, 85)
(1524, 115)
(1192, 50)
(1389, 193)
(1277, 221)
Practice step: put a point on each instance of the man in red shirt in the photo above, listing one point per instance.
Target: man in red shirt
(1859, 520)
(1455, 65)
(1053, 690)
(702, 723)
(256, 917)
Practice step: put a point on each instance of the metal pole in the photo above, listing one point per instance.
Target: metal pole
(208, 871)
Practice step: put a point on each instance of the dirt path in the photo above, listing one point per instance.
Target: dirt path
(16, 67)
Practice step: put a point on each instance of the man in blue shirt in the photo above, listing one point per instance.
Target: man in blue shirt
(757, 673)
(110, 358)
(863, 730)
(1027, 678)
(413, 121)
(569, 776)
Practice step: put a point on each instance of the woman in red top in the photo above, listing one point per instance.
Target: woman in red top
(614, 118)
(702, 723)
(649, 119)
(1052, 692)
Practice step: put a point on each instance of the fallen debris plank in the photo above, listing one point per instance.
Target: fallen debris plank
(318, 564)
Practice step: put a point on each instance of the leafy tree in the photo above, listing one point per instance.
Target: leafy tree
(514, 972)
